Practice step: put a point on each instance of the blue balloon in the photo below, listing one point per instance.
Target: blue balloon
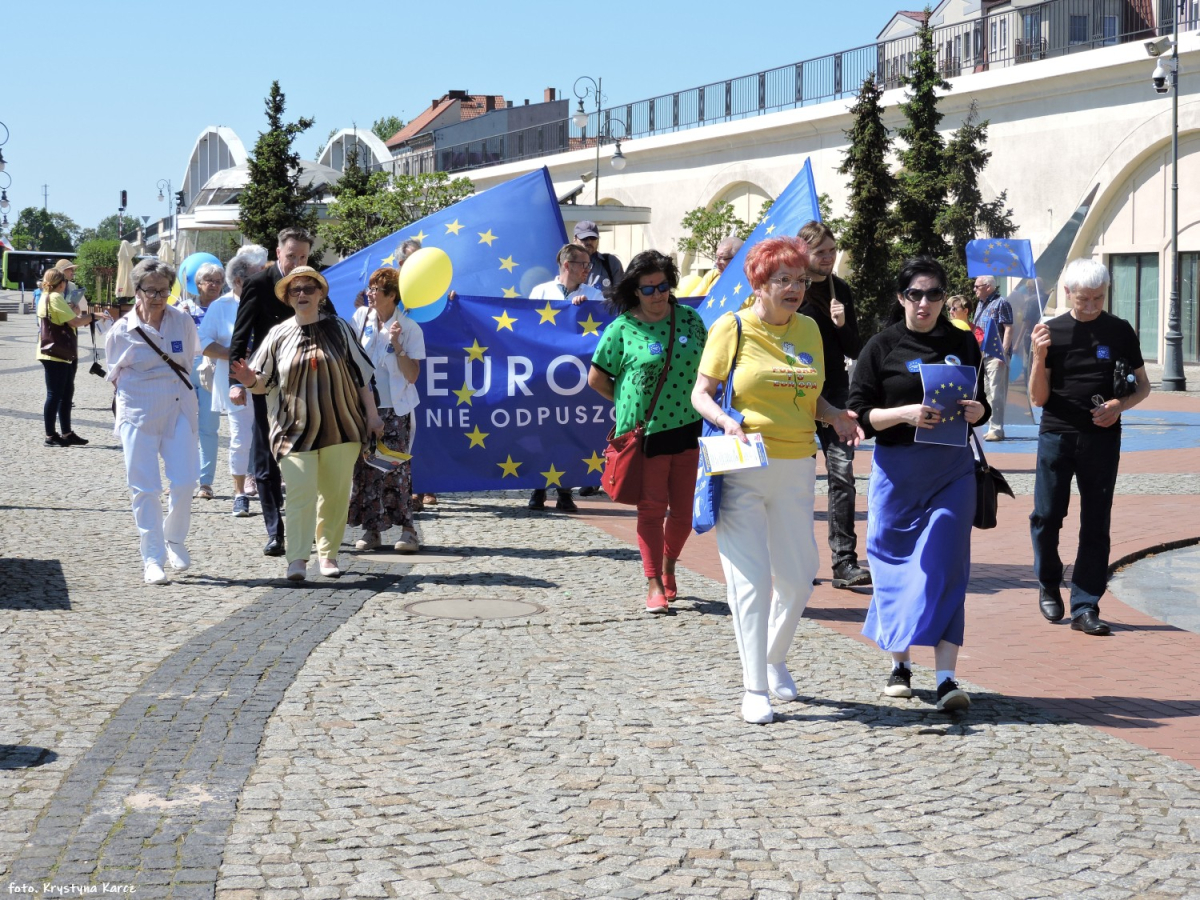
(427, 313)
(187, 269)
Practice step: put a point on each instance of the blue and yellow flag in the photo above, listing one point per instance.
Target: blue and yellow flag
(944, 385)
(1001, 257)
(795, 207)
(992, 346)
(501, 243)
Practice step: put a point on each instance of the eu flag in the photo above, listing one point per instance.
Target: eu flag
(795, 207)
(501, 243)
(993, 347)
(1000, 256)
(944, 385)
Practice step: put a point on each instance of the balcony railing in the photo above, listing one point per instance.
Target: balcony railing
(997, 40)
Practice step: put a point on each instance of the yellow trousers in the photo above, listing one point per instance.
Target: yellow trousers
(318, 499)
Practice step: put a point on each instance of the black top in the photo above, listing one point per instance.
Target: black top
(838, 342)
(258, 312)
(1080, 364)
(887, 374)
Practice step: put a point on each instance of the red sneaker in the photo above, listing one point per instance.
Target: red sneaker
(669, 586)
(656, 603)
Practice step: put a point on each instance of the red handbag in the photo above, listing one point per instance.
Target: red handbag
(624, 455)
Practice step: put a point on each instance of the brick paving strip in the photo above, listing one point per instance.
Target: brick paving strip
(150, 803)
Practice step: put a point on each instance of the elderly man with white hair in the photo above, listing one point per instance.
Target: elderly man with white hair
(1086, 369)
(990, 305)
(726, 251)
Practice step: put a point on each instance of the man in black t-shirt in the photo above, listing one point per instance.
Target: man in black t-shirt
(830, 304)
(1071, 376)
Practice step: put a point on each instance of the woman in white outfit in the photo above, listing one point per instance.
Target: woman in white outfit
(150, 352)
(216, 333)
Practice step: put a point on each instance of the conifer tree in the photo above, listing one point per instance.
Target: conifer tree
(273, 199)
(867, 233)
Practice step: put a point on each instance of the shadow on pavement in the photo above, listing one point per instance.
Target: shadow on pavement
(477, 579)
(23, 756)
(617, 553)
(1115, 712)
(33, 584)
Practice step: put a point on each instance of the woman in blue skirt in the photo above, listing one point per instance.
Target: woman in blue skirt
(921, 496)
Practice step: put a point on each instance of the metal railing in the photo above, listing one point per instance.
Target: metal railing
(993, 41)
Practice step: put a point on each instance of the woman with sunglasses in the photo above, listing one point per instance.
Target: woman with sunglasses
(322, 416)
(626, 369)
(921, 500)
(765, 527)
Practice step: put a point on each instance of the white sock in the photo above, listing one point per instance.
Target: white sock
(943, 674)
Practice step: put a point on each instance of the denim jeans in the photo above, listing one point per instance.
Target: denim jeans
(839, 463)
(1093, 460)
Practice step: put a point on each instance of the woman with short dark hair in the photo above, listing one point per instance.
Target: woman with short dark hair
(627, 368)
(921, 500)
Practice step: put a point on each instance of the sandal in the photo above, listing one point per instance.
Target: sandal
(204, 492)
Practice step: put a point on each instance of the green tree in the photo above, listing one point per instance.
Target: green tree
(355, 182)
(866, 232)
(387, 126)
(274, 199)
(97, 269)
(39, 229)
(966, 215)
(921, 182)
(110, 230)
(357, 220)
(705, 228)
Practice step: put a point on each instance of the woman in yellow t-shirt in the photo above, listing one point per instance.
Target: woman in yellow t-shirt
(59, 366)
(765, 522)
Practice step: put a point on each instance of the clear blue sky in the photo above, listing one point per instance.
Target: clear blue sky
(119, 96)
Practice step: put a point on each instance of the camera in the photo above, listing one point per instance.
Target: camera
(1159, 79)
(1158, 46)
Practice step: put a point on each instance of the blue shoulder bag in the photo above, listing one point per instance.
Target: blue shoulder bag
(706, 503)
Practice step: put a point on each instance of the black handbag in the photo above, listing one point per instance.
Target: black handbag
(57, 341)
(989, 484)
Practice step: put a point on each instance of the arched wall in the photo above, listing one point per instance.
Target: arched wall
(215, 149)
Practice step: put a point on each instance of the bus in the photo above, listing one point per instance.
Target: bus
(24, 268)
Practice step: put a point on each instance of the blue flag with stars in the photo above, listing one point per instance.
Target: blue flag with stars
(501, 243)
(1002, 257)
(993, 347)
(944, 385)
(794, 208)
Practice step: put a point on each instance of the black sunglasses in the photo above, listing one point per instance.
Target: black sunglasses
(916, 295)
(648, 290)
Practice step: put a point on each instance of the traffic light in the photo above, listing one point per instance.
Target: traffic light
(124, 199)
(180, 201)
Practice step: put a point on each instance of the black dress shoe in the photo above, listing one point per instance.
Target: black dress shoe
(589, 491)
(1089, 623)
(848, 575)
(1051, 603)
(565, 502)
(537, 500)
(274, 547)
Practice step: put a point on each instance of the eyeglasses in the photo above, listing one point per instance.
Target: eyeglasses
(377, 290)
(155, 295)
(916, 295)
(579, 262)
(647, 290)
(305, 289)
(787, 283)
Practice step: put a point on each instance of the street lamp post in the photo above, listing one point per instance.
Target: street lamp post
(1173, 378)
(2, 143)
(580, 119)
(166, 182)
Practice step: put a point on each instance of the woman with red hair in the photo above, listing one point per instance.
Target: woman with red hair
(765, 523)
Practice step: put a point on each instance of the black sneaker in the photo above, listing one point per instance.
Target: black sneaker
(900, 684)
(950, 697)
(55, 440)
(74, 440)
(848, 575)
(537, 500)
(589, 491)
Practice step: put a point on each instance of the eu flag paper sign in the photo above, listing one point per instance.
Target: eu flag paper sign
(1000, 257)
(944, 386)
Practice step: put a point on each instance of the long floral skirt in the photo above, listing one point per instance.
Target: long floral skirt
(380, 500)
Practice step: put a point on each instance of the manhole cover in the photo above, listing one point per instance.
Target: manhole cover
(474, 608)
(411, 558)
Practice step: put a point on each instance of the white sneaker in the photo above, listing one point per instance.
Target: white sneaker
(329, 568)
(780, 681)
(297, 569)
(756, 709)
(155, 574)
(408, 543)
(369, 541)
(178, 557)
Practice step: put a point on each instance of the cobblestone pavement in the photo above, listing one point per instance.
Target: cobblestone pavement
(229, 736)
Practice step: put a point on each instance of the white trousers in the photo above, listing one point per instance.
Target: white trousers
(180, 454)
(241, 426)
(769, 554)
(995, 385)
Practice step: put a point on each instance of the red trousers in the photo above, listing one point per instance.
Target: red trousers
(668, 482)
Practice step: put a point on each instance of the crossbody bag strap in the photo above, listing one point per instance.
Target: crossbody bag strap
(175, 367)
(662, 378)
(733, 365)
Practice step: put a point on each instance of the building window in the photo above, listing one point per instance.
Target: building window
(1110, 31)
(1078, 29)
(1003, 35)
(1134, 296)
(1189, 305)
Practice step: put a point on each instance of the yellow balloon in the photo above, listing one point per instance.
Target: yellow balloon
(176, 293)
(687, 284)
(425, 277)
